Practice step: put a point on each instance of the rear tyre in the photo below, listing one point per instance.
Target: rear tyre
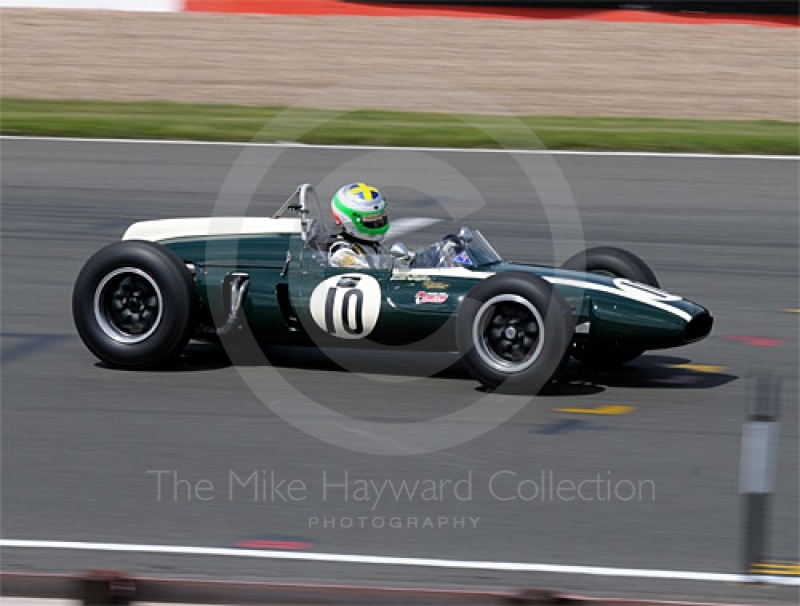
(513, 330)
(134, 304)
(618, 263)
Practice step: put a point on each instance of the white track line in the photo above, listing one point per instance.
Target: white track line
(531, 152)
(673, 575)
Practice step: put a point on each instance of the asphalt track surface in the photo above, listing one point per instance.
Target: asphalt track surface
(79, 439)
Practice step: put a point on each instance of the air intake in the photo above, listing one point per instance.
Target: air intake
(698, 327)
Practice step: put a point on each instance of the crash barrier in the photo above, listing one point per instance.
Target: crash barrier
(757, 468)
(111, 587)
(616, 10)
(768, 7)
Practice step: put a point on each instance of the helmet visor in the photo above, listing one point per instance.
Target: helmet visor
(375, 221)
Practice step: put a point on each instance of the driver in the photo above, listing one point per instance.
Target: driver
(360, 210)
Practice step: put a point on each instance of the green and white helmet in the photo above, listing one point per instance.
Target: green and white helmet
(360, 210)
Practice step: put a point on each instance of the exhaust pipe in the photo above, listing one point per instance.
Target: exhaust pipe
(240, 284)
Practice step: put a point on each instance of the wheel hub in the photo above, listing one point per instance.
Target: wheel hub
(508, 333)
(128, 305)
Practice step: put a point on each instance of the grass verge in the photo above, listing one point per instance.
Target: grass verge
(160, 120)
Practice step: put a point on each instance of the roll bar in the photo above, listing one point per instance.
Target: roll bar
(298, 202)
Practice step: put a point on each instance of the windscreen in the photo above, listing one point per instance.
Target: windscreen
(480, 251)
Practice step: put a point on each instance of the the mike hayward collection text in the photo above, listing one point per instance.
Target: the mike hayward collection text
(271, 486)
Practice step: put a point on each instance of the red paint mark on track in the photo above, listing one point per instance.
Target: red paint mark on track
(756, 341)
(266, 544)
(338, 7)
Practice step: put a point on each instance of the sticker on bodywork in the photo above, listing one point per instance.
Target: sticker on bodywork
(347, 306)
(463, 259)
(430, 297)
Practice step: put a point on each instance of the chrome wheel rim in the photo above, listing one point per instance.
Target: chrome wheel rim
(128, 305)
(508, 333)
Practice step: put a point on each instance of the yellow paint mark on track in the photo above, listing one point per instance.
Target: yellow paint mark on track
(778, 568)
(791, 310)
(709, 368)
(607, 409)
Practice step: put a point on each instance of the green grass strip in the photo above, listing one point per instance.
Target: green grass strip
(160, 120)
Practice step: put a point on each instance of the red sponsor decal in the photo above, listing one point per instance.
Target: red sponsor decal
(430, 297)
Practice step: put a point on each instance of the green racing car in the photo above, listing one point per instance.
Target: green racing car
(138, 302)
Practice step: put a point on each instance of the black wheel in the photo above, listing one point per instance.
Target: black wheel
(512, 332)
(617, 263)
(133, 304)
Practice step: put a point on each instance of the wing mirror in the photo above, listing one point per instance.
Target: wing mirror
(400, 251)
(465, 233)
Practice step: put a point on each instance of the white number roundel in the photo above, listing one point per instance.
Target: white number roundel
(347, 306)
(644, 291)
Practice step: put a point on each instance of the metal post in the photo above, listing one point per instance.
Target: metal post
(758, 463)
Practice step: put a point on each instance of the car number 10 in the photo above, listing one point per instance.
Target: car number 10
(347, 306)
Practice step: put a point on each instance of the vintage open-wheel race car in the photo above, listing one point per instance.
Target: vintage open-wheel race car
(137, 302)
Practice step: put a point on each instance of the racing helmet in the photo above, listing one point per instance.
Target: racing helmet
(360, 210)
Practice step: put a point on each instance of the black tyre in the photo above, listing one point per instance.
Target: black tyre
(618, 263)
(133, 304)
(614, 262)
(513, 330)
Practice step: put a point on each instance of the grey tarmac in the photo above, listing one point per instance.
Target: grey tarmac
(79, 439)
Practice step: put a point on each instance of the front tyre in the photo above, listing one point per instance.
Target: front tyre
(133, 304)
(614, 262)
(617, 263)
(513, 330)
